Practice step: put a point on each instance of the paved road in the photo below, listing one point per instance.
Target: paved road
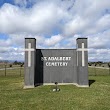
(99, 67)
(9, 68)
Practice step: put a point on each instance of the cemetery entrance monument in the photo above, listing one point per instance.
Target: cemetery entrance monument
(47, 66)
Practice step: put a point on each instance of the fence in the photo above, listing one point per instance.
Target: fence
(19, 71)
(97, 71)
(14, 70)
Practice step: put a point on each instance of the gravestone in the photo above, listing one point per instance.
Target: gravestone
(47, 66)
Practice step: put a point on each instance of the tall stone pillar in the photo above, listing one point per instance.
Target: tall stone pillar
(30, 50)
(82, 62)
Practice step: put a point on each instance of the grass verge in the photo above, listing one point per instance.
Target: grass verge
(14, 97)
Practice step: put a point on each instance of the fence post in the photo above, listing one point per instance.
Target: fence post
(95, 68)
(109, 70)
(109, 67)
(20, 70)
(5, 69)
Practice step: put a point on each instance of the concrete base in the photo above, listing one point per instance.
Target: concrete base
(27, 87)
(82, 85)
(58, 83)
(67, 84)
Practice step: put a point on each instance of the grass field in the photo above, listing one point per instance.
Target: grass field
(8, 66)
(14, 97)
(17, 71)
(98, 71)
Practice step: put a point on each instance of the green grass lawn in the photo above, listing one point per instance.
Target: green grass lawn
(14, 97)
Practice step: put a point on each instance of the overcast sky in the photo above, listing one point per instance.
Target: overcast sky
(55, 24)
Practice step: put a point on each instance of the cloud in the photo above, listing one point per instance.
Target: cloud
(99, 55)
(75, 26)
(55, 24)
(40, 19)
(53, 40)
(100, 40)
(88, 17)
(5, 42)
(46, 16)
(22, 3)
(10, 53)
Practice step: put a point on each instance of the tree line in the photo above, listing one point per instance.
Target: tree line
(99, 63)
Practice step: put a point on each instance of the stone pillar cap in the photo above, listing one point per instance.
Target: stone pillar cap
(81, 38)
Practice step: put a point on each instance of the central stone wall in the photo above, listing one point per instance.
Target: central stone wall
(54, 65)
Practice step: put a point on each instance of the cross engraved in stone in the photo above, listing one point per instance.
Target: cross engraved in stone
(29, 49)
(83, 50)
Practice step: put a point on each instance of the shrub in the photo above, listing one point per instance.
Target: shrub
(10, 65)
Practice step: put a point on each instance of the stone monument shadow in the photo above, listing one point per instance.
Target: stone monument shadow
(38, 79)
(91, 82)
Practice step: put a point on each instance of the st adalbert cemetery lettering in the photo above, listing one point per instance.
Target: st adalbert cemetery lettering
(58, 61)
